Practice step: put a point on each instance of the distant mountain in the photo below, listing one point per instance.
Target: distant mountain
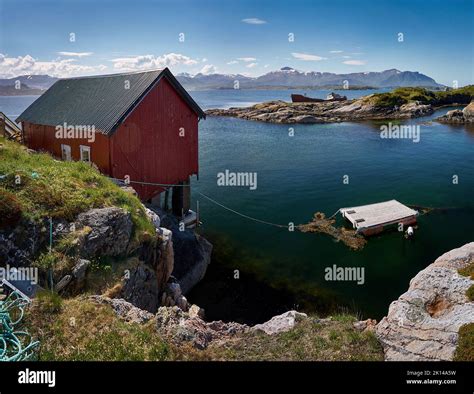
(289, 77)
(24, 90)
(42, 82)
(286, 77)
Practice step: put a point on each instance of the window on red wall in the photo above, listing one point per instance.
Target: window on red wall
(66, 152)
(85, 153)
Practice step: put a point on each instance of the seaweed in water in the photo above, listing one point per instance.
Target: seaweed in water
(321, 224)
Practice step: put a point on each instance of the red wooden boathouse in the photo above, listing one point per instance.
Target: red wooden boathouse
(145, 123)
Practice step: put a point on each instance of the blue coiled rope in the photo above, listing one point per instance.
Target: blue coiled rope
(14, 345)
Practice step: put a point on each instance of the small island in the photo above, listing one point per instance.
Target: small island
(401, 103)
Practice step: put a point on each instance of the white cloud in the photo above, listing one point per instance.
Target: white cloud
(307, 57)
(346, 57)
(247, 59)
(254, 21)
(11, 67)
(335, 51)
(204, 59)
(208, 69)
(266, 65)
(251, 65)
(75, 54)
(355, 62)
(232, 62)
(144, 62)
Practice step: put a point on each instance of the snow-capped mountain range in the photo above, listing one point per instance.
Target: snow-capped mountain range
(290, 77)
(286, 77)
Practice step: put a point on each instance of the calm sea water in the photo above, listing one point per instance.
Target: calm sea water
(300, 175)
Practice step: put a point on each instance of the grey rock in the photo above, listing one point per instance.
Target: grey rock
(468, 112)
(80, 269)
(196, 311)
(305, 119)
(110, 232)
(423, 323)
(192, 255)
(322, 112)
(280, 323)
(183, 327)
(141, 288)
(63, 283)
(365, 325)
(20, 245)
(154, 218)
(123, 309)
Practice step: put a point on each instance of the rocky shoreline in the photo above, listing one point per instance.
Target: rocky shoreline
(323, 112)
(457, 116)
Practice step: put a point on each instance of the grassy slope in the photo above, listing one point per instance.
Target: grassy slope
(57, 189)
(77, 329)
(402, 96)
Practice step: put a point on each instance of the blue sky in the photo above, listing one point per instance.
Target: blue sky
(248, 37)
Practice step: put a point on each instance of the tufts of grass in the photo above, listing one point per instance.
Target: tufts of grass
(310, 340)
(10, 209)
(406, 95)
(467, 271)
(470, 293)
(45, 187)
(48, 302)
(85, 331)
(465, 348)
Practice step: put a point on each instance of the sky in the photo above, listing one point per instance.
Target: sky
(71, 37)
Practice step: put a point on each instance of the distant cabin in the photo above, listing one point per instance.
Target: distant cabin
(146, 128)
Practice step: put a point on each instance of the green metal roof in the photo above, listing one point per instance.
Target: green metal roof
(103, 101)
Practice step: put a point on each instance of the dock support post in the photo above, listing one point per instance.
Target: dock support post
(181, 198)
(166, 202)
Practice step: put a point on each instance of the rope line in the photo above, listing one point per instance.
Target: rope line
(242, 214)
(211, 200)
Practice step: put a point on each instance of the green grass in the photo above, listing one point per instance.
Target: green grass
(406, 95)
(79, 329)
(470, 293)
(310, 340)
(37, 186)
(84, 331)
(465, 349)
(468, 271)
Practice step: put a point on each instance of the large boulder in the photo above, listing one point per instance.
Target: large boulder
(21, 244)
(185, 327)
(468, 112)
(192, 255)
(141, 289)
(110, 231)
(423, 324)
(280, 323)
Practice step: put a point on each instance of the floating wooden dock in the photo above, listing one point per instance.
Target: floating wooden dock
(374, 218)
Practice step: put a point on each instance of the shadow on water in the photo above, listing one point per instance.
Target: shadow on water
(236, 288)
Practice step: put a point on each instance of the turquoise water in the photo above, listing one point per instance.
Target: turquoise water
(303, 174)
(300, 175)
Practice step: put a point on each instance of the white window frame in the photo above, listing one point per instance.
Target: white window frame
(85, 148)
(66, 152)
